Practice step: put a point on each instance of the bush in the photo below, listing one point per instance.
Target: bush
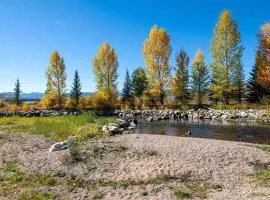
(103, 100)
(3, 104)
(70, 104)
(85, 102)
(74, 149)
(26, 107)
(49, 101)
(265, 100)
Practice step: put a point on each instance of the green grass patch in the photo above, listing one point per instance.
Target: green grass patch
(14, 180)
(58, 127)
(264, 147)
(180, 193)
(36, 195)
(262, 177)
(191, 189)
(262, 174)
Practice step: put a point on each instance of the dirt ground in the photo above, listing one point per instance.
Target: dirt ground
(149, 167)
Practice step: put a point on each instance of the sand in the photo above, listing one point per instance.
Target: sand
(224, 166)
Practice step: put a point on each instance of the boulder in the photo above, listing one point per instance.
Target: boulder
(149, 119)
(115, 130)
(59, 146)
(122, 123)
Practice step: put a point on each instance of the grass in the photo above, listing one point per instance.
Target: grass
(264, 147)
(191, 189)
(21, 185)
(262, 177)
(57, 127)
(180, 193)
(262, 174)
(27, 185)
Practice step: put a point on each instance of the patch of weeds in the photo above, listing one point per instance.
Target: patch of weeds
(101, 150)
(41, 179)
(262, 173)
(36, 195)
(14, 181)
(115, 184)
(72, 182)
(149, 152)
(98, 195)
(198, 188)
(191, 189)
(263, 147)
(12, 172)
(257, 194)
(74, 149)
(180, 193)
(87, 131)
(143, 153)
(162, 179)
(3, 136)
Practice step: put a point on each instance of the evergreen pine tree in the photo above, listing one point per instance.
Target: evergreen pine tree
(127, 88)
(255, 90)
(17, 92)
(139, 81)
(76, 90)
(239, 80)
(200, 76)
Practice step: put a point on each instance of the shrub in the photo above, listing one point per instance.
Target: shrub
(103, 100)
(26, 107)
(70, 103)
(74, 148)
(2, 104)
(85, 102)
(13, 108)
(49, 100)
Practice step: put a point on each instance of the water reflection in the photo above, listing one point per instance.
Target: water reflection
(233, 131)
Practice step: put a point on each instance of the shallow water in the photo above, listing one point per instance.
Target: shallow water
(243, 132)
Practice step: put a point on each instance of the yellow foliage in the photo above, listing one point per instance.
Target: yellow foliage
(2, 104)
(85, 102)
(70, 103)
(103, 99)
(13, 108)
(156, 52)
(217, 90)
(105, 66)
(49, 100)
(26, 107)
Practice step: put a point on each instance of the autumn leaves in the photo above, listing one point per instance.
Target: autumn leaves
(221, 80)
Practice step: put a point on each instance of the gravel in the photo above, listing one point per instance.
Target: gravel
(224, 164)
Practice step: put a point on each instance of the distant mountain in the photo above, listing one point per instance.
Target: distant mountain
(31, 95)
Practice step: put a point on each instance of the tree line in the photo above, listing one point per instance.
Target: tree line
(222, 80)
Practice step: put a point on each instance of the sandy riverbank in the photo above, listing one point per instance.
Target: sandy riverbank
(149, 167)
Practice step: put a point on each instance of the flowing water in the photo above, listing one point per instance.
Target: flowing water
(233, 131)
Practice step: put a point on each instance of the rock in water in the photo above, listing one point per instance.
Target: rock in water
(122, 123)
(188, 133)
(149, 119)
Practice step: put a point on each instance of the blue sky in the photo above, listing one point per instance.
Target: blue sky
(31, 29)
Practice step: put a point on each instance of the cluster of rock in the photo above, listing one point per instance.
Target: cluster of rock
(199, 114)
(39, 113)
(121, 126)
